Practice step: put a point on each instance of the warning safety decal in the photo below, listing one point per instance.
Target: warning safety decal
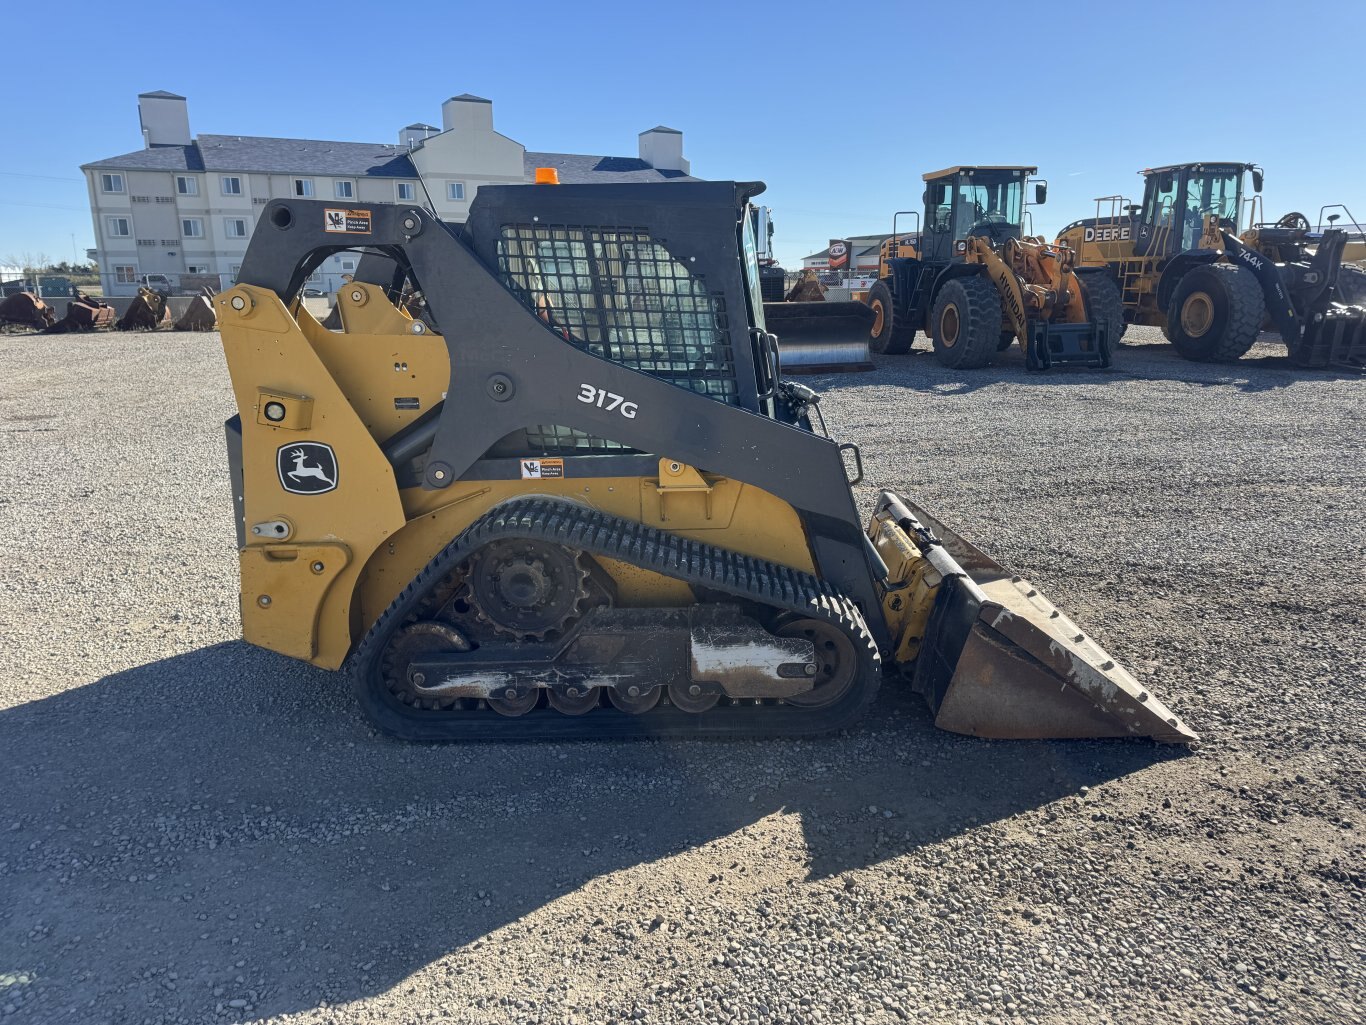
(347, 222)
(542, 469)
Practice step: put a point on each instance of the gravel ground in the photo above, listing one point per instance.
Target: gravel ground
(192, 830)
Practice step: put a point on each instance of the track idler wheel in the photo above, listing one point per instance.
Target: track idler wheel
(835, 656)
(515, 701)
(693, 696)
(425, 637)
(634, 700)
(576, 699)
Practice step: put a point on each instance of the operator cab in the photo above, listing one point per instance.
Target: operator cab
(1177, 198)
(962, 202)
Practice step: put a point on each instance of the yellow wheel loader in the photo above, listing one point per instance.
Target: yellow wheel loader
(1181, 263)
(568, 494)
(975, 283)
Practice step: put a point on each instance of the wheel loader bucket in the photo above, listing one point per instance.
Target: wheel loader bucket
(999, 660)
(817, 337)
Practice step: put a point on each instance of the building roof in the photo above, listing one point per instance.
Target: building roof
(862, 245)
(160, 94)
(470, 98)
(661, 128)
(251, 153)
(583, 169)
(270, 156)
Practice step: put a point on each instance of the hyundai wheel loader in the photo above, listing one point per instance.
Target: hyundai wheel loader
(1182, 262)
(974, 282)
(568, 493)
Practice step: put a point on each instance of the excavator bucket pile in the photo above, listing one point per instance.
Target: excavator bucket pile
(198, 315)
(26, 310)
(999, 660)
(84, 314)
(147, 312)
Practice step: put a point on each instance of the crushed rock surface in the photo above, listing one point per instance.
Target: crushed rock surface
(193, 830)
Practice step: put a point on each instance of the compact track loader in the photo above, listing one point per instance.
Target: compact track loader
(1182, 262)
(546, 481)
(975, 283)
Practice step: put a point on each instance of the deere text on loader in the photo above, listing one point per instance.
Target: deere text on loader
(974, 282)
(1181, 264)
(574, 498)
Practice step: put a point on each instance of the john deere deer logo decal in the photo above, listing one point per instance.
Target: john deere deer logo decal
(307, 468)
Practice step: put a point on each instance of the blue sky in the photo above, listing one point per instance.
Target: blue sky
(838, 107)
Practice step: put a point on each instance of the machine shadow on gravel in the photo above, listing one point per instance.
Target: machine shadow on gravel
(919, 371)
(227, 805)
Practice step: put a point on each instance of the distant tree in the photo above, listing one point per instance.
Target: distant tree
(30, 264)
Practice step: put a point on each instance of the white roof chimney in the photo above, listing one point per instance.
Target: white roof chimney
(466, 113)
(662, 149)
(165, 119)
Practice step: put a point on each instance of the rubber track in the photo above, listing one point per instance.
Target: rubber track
(600, 534)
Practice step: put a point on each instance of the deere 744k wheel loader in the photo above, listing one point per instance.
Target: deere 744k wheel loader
(1180, 263)
(574, 498)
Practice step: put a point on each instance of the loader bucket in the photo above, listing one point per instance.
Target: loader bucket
(816, 337)
(999, 660)
(198, 316)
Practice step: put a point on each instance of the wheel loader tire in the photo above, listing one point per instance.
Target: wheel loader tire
(966, 323)
(1351, 285)
(889, 336)
(1104, 306)
(1216, 312)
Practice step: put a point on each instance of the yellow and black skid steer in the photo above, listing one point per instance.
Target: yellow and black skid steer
(568, 493)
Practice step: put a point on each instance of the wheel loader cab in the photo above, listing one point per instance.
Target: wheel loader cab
(1178, 198)
(565, 493)
(965, 202)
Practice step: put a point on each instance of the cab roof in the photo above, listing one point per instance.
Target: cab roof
(978, 167)
(1198, 163)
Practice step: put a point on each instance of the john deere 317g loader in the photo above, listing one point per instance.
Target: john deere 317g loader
(566, 492)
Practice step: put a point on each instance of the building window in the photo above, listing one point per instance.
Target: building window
(232, 185)
(455, 191)
(348, 264)
(192, 227)
(125, 273)
(314, 278)
(118, 226)
(346, 190)
(186, 185)
(196, 268)
(111, 182)
(236, 270)
(165, 199)
(235, 227)
(406, 192)
(303, 187)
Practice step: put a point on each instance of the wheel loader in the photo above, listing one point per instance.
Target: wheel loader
(975, 283)
(1182, 263)
(568, 494)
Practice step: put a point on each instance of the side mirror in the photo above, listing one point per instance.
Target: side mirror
(1256, 179)
(1040, 193)
(1333, 218)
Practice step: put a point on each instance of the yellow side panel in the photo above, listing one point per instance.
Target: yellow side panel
(266, 352)
(283, 586)
(391, 375)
